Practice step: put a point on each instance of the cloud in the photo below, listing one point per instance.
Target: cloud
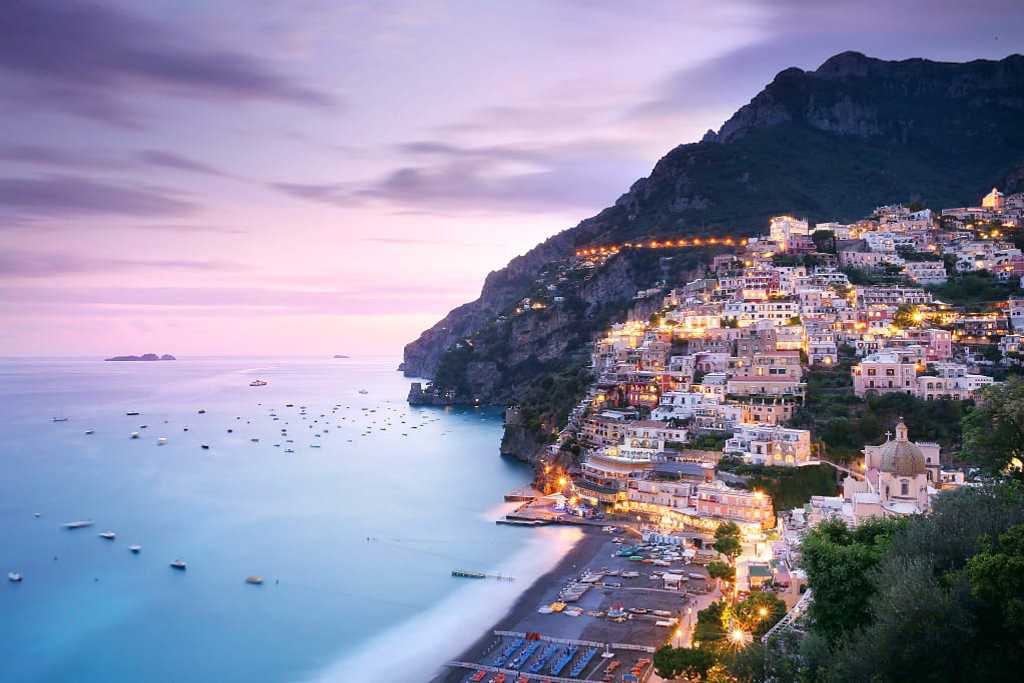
(238, 301)
(20, 263)
(90, 60)
(69, 195)
(446, 177)
(155, 157)
(61, 158)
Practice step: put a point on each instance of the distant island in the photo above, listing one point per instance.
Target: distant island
(340, 355)
(145, 356)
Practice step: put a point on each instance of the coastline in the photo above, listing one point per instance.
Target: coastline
(583, 551)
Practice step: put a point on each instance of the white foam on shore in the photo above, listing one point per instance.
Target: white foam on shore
(416, 649)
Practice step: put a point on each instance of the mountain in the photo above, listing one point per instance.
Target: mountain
(143, 357)
(828, 144)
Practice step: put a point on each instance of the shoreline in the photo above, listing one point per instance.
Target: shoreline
(582, 552)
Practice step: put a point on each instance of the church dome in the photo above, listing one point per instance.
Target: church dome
(901, 457)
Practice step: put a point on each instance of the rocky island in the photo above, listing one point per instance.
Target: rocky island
(145, 356)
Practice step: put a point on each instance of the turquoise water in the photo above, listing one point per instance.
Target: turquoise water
(331, 599)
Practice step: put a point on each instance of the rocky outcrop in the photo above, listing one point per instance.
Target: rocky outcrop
(828, 144)
(143, 357)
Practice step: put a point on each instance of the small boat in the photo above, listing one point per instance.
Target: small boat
(202, 411)
(205, 446)
(162, 441)
(109, 535)
(90, 431)
(254, 440)
(255, 580)
(136, 549)
(134, 435)
(179, 564)
(314, 445)
(132, 413)
(14, 577)
(363, 391)
(80, 524)
(37, 515)
(258, 383)
(60, 419)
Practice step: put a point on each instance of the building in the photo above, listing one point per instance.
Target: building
(898, 477)
(719, 501)
(993, 200)
(783, 228)
(885, 372)
(950, 381)
(925, 272)
(763, 444)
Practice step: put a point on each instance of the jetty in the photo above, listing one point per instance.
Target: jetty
(467, 574)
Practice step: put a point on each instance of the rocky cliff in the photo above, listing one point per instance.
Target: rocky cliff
(828, 144)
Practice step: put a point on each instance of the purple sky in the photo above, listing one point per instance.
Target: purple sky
(318, 176)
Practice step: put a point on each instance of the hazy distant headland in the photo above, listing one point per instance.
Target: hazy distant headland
(145, 356)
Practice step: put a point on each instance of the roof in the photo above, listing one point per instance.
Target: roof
(690, 469)
(759, 570)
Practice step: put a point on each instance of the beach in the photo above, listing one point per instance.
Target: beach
(595, 551)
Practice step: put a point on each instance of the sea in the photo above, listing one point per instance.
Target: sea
(355, 540)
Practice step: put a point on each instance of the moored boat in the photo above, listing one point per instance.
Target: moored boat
(136, 549)
(179, 564)
(255, 580)
(14, 577)
(108, 535)
(80, 524)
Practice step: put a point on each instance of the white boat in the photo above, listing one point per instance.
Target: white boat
(363, 391)
(80, 524)
(136, 549)
(134, 435)
(258, 383)
(89, 431)
(255, 580)
(109, 535)
(162, 441)
(179, 564)
(205, 446)
(60, 419)
(14, 577)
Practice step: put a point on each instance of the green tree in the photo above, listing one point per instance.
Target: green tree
(710, 628)
(721, 571)
(727, 540)
(996, 577)
(904, 316)
(759, 612)
(994, 430)
(690, 663)
(839, 561)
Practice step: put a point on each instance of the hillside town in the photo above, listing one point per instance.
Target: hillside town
(709, 394)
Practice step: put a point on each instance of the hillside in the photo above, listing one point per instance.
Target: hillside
(829, 144)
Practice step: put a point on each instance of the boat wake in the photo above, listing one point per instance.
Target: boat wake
(416, 649)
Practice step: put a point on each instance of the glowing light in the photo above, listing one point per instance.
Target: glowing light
(737, 635)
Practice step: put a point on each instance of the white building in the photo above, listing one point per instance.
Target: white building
(763, 444)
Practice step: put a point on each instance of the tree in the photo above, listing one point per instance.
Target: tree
(758, 613)
(994, 430)
(711, 620)
(721, 571)
(839, 561)
(676, 662)
(727, 540)
(996, 577)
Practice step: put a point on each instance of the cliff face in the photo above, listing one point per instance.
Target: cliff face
(829, 144)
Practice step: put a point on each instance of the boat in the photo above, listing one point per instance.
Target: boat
(363, 391)
(60, 419)
(258, 383)
(80, 524)
(132, 413)
(136, 549)
(254, 440)
(179, 564)
(109, 535)
(202, 411)
(90, 431)
(314, 445)
(205, 446)
(255, 580)
(14, 577)
(37, 515)
(162, 441)
(134, 435)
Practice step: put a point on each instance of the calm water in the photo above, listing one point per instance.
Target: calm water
(345, 608)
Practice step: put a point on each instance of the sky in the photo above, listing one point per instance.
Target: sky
(244, 177)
